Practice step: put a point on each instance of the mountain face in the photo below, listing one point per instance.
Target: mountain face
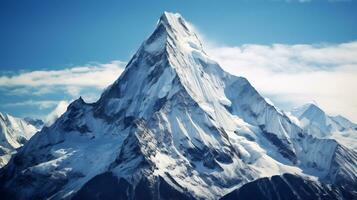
(288, 186)
(38, 123)
(174, 125)
(14, 132)
(317, 123)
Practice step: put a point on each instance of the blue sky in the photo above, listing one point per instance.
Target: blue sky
(77, 38)
(58, 33)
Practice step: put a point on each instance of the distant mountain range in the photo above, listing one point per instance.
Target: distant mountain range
(15, 132)
(317, 123)
(174, 125)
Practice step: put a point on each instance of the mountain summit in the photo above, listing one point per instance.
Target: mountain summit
(317, 123)
(174, 125)
(173, 31)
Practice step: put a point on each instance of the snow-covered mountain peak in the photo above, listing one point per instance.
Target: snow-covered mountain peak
(309, 110)
(169, 61)
(172, 21)
(173, 120)
(318, 123)
(14, 132)
(343, 121)
(172, 30)
(17, 126)
(312, 115)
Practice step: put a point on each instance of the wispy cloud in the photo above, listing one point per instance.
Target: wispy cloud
(296, 74)
(290, 75)
(72, 79)
(56, 113)
(40, 104)
(35, 93)
(92, 75)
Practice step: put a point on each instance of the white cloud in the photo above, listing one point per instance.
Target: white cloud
(40, 104)
(56, 113)
(73, 79)
(296, 74)
(86, 81)
(73, 91)
(70, 83)
(290, 75)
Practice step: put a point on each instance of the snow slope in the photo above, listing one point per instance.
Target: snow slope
(14, 132)
(173, 123)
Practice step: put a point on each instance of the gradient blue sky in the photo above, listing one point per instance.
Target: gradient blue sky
(38, 34)
(60, 34)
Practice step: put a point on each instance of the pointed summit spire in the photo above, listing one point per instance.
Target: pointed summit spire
(168, 17)
(175, 22)
(172, 29)
(313, 106)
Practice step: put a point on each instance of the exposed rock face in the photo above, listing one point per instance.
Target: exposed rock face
(288, 186)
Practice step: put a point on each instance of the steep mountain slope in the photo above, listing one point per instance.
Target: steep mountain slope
(174, 123)
(14, 132)
(316, 122)
(290, 187)
(38, 123)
